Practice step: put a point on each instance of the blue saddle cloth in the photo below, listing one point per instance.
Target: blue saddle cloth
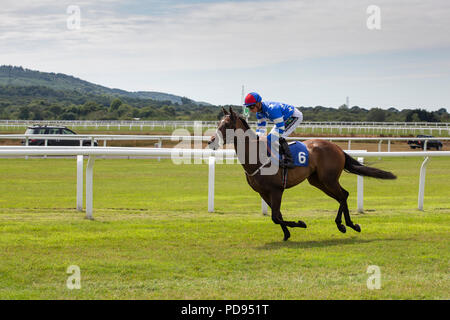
(298, 149)
(299, 153)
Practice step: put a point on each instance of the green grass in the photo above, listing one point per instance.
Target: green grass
(304, 131)
(152, 237)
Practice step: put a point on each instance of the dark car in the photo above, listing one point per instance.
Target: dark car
(413, 144)
(53, 142)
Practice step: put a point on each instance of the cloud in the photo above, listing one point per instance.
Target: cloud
(121, 41)
(221, 35)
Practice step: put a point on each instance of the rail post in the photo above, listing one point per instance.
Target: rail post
(211, 174)
(360, 189)
(423, 169)
(264, 208)
(159, 146)
(89, 187)
(379, 147)
(79, 182)
(27, 143)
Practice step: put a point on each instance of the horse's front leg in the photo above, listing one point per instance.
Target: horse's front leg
(277, 218)
(274, 201)
(268, 199)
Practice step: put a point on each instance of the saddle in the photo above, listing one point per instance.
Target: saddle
(299, 152)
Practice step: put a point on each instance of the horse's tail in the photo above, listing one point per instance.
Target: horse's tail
(353, 166)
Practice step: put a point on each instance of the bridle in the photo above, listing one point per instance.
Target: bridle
(234, 127)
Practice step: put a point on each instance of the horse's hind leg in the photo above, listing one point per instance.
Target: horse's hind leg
(314, 180)
(342, 196)
(348, 220)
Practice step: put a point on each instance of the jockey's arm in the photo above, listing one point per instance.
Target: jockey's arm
(278, 129)
(277, 118)
(262, 124)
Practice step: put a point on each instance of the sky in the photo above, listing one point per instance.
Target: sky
(305, 53)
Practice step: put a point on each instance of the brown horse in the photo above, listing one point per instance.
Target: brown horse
(326, 163)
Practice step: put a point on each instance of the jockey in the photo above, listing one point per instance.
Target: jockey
(285, 117)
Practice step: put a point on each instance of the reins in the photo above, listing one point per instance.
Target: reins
(256, 171)
(284, 172)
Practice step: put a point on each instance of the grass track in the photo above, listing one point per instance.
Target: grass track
(153, 239)
(368, 131)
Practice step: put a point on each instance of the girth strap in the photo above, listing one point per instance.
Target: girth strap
(284, 178)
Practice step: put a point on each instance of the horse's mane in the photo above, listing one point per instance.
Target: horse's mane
(243, 121)
(247, 127)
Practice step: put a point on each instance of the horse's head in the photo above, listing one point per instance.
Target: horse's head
(229, 123)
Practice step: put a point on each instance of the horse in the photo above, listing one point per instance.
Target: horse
(325, 165)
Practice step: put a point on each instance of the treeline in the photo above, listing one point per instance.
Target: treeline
(43, 103)
(356, 113)
(20, 77)
(39, 103)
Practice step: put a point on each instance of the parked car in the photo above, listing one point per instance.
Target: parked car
(54, 142)
(413, 144)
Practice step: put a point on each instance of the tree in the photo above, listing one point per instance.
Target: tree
(185, 100)
(376, 115)
(125, 110)
(442, 111)
(115, 104)
(68, 116)
(420, 115)
(169, 110)
(56, 110)
(89, 107)
(24, 113)
(37, 114)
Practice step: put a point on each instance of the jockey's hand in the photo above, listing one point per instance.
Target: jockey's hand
(262, 137)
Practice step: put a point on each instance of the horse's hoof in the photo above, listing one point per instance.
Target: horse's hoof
(357, 228)
(342, 228)
(301, 224)
(286, 237)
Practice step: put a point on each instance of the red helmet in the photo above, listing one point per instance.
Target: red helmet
(252, 98)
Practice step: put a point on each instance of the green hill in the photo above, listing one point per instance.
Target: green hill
(19, 77)
(34, 95)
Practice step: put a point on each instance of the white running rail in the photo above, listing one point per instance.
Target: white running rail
(210, 155)
(91, 138)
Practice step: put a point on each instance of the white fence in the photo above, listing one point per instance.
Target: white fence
(211, 155)
(160, 138)
(338, 127)
(191, 123)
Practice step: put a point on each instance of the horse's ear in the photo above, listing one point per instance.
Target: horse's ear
(225, 112)
(232, 113)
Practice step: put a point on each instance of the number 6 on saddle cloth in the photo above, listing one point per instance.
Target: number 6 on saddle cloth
(298, 150)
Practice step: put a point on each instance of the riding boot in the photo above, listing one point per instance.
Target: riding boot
(288, 161)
